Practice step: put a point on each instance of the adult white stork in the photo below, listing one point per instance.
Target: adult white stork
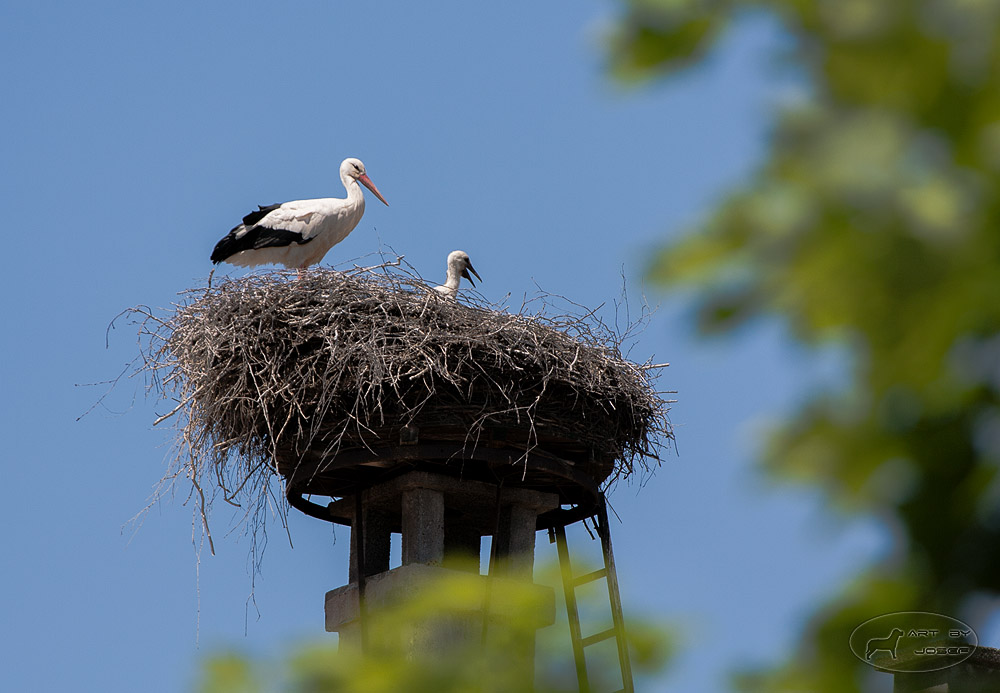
(459, 265)
(299, 233)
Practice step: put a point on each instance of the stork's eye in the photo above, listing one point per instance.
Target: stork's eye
(357, 168)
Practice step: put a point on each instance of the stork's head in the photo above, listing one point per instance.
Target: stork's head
(460, 264)
(353, 168)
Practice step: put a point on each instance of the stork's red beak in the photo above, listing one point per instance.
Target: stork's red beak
(367, 182)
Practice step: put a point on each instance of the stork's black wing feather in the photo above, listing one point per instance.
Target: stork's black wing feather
(262, 211)
(253, 238)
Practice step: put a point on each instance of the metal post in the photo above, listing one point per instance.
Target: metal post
(357, 530)
(572, 612)
(617, 617)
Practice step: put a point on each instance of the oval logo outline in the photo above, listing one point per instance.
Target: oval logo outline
(905, 645)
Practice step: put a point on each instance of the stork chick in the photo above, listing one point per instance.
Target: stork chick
(459, 265)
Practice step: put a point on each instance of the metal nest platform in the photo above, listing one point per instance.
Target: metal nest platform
(560, 468)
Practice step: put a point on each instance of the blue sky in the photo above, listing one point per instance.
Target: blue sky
(133, 136)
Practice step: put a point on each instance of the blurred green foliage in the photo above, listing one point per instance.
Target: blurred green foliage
(874, 223)
(397, 659)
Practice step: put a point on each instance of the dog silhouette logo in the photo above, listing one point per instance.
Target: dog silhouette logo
(886, 644)
(913, 641)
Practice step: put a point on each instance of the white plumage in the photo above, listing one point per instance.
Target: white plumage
(459, 265)
(299, 233)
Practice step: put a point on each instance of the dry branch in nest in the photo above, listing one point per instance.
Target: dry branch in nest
(267, 372)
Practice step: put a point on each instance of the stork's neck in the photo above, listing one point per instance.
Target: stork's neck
(454, 277)
(354, 194)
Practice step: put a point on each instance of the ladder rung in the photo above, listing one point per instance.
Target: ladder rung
(590, 577)
(598, 637)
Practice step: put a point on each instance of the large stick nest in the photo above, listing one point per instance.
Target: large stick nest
(268, 371)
